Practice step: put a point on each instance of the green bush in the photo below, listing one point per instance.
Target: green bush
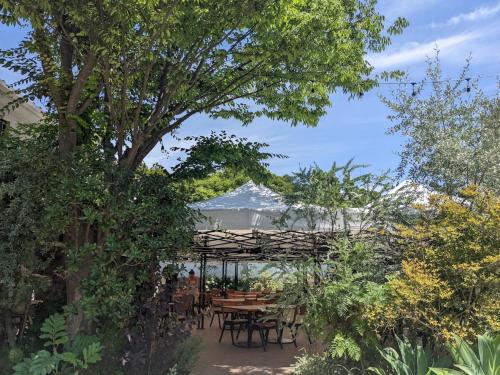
(9, 357)
(266, 281)
(483, 361)
(186, 355)
(322, 364)
(66, 356)
(409, 360)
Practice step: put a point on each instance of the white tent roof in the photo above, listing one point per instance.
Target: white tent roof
(419, 193)
(248, 196)
(248, 207)
(253, 206)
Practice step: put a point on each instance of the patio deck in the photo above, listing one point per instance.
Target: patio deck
(225, 359)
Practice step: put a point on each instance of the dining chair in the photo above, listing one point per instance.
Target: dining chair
(288, 319)
(264, 324)
(299, 322)
(231, 320)
(216, 310)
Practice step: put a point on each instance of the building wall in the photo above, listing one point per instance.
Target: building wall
(26, 113)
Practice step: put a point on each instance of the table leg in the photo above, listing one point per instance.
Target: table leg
(250, 329)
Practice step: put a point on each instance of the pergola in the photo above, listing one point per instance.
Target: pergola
(241, 226)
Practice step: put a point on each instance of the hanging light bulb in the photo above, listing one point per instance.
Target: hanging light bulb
(413, 92)
(468, 85)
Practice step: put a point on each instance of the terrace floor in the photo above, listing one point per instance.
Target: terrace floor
(225, 359)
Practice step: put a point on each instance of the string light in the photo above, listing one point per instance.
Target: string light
(423, 82)
(468, 85)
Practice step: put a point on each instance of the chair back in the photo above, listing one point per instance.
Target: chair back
(289, 314)
(225, 309)
(183, 305)
(215, 293)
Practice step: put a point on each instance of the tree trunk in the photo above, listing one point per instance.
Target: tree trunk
(9, 329)
(76, 237)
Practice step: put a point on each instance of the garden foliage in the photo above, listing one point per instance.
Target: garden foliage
(449, 282)
(64, 355)
(451, 131)
(484, 359)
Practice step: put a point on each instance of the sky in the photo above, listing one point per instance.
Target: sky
(358, 128)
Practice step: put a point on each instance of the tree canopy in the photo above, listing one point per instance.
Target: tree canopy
(134, 71)
(452, 132)
(229, 179)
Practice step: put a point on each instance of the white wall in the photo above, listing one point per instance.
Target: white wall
(26, 113)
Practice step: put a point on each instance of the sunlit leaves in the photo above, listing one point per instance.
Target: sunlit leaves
(449, 278)
(452, 134)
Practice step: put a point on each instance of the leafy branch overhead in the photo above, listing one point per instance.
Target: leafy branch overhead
(134, 71)
(218, 151)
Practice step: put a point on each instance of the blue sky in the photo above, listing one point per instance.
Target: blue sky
(357, 128)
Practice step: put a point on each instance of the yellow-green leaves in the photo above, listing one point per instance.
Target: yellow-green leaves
(449, 278)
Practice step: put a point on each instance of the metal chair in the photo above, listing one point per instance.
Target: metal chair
(231, 319)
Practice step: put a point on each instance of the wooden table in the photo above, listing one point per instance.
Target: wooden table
(228, 300)
(249, 310)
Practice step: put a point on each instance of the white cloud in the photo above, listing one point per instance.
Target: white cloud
(477, 14)
(416, 52)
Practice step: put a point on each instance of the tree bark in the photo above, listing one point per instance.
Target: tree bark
(9, 329)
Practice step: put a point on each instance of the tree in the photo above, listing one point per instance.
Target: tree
(345, 293)
(121, 75)
(449, 278)
(452, 132)
(129, 229)
(228, 179)
(343, 198)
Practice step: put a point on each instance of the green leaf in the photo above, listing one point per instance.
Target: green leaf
(445, 371)
(377, 370)
(23, 368)
(92, 354)
(465, 355)
(43, 362)
(422, 362)
(54, 330)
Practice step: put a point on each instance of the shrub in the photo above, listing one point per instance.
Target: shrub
(65, 355)
(409, 360)
(449, 283)
(321, 364)
(342, 310)
(266, 281)
(186, 355)
(483, 361)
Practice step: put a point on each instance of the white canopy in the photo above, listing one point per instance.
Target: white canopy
(253, 207)
(417, 192)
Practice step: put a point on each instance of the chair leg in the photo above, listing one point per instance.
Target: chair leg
(280, 338)
(239, 330)
(308, 337)
(262, 340)
(267, 336)
(294, 337)
(218, 318)
(211, 321)
(222, 333)
(232, 333)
